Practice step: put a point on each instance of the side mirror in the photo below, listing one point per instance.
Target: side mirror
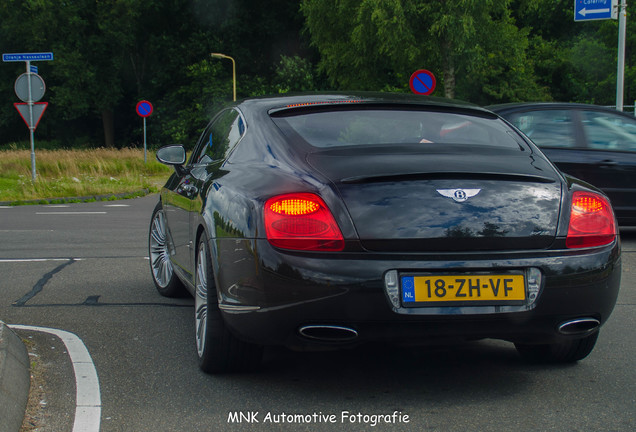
(172, 155)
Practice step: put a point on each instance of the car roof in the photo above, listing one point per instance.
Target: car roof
(534, 106)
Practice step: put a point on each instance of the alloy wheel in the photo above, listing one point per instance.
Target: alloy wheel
(201, 298)
(161, 266)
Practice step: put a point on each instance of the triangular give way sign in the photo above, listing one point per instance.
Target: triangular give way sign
(38, 110)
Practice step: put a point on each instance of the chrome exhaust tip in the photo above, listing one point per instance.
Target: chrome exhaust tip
(328, 333)
(579, 326)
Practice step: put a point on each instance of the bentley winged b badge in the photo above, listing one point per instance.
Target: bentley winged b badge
(459, 195)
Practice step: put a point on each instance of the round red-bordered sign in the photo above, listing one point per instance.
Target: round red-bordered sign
(422, 82)
(144, 108)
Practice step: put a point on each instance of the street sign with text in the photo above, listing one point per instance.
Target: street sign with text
(18, 57)
(588, 10)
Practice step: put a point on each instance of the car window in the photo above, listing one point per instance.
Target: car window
(549, 128)
(607, 131)
(220, 137)
(398, 126)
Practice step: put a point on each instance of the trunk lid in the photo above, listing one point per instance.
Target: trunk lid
(449, 199)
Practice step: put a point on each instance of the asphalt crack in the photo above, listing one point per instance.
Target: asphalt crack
(39, 286)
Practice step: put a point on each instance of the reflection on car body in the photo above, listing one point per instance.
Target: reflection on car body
(323, 220)
(593, 143)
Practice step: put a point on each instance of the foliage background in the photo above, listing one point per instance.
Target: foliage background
(109, 54)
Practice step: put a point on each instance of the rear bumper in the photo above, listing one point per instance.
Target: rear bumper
(272, 295)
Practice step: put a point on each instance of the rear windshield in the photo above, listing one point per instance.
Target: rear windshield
(389, 126)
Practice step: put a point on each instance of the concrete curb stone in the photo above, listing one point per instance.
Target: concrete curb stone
(15, 380)
(106, 197)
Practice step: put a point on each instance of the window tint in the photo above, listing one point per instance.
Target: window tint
(550, 128)
(226, 130)
(607, 131)
(384, 126)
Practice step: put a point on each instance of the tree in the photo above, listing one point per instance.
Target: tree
(108, 53)
(90, 40)
(377, 44)
(575, 61)
(294, 74)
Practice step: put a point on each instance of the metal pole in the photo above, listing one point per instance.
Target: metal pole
(31, 128)
(620, 75)
(145, 158)
(233, 77)
(223, 56)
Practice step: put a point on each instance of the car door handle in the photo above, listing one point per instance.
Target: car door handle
(608, 163)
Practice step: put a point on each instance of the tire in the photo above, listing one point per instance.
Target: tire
(219, 351)
(163, 275)
(568, 351)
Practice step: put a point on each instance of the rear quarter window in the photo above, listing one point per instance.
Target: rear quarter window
(549, 128)
(607, 131)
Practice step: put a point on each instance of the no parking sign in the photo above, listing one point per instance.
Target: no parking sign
(422, 82)
(144, 108)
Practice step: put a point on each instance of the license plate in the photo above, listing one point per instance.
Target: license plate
(455, 289)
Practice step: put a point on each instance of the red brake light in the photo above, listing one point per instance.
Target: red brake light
(591, 221)
(301, 221)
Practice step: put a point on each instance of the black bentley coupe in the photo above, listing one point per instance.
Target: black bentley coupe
(328, 220)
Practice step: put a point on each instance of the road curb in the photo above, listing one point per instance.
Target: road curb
(90, 198)
(15, 379)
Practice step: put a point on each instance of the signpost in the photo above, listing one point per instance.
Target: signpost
(422, 82)
(144, 109)
(29, 87)
(587, 10)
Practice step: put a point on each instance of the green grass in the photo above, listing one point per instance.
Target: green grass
(64, 174)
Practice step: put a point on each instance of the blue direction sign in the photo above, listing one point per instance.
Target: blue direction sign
(18, 57)
(587, 10)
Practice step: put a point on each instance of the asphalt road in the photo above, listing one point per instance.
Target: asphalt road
(83, 268)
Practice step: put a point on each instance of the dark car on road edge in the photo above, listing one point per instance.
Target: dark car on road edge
(593, 143)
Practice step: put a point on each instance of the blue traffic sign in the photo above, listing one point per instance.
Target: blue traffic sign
(27, 57)
(587, 10)
(144, 108)
(422, 82)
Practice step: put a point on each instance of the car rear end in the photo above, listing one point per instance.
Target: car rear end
(427, 222)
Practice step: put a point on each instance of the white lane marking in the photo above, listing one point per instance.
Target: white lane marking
(88, 410)
(57, 206)
(116, 205)
(71, 213)
(2, 260)
(7, 207)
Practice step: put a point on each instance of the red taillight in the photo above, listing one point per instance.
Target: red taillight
(591, 221)
(301, 221)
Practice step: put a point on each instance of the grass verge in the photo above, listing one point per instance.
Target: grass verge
(62, 175)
